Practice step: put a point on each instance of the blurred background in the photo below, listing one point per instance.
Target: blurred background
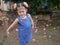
(46, 16)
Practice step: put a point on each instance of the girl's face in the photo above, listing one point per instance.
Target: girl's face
(3, 14)
(0, 12)
(21, 11)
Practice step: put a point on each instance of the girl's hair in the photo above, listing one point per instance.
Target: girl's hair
(22, 4)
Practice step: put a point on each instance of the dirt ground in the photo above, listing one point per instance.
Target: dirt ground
(45, 33)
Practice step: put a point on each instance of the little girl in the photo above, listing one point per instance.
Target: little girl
(25, 24)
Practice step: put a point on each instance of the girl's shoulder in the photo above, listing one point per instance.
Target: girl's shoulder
(18, 18)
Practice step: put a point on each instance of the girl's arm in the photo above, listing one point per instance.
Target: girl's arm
(31, 21)
(12, 25)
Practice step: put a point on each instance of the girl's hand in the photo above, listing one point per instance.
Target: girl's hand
(8, 33)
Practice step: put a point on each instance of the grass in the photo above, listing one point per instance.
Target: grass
(51, 29)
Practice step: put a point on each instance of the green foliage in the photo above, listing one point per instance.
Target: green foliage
(46, 4)
(51, 29)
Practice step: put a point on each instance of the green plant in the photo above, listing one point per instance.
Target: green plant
(51, 29)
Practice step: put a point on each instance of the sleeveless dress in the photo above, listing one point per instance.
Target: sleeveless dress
(24, 30)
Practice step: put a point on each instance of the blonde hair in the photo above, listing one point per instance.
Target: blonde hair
(15, 5)
(25, 4)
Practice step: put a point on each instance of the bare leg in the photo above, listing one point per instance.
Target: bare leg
(27, 44)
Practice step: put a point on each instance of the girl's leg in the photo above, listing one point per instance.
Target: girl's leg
(27, 44)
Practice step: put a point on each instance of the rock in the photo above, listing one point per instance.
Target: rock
(33, 39)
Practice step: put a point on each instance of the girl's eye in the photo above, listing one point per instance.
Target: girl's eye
(21, 11)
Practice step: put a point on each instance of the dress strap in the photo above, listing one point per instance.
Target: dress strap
(28, 15)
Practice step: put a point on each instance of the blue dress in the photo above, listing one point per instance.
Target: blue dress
(24, 30)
